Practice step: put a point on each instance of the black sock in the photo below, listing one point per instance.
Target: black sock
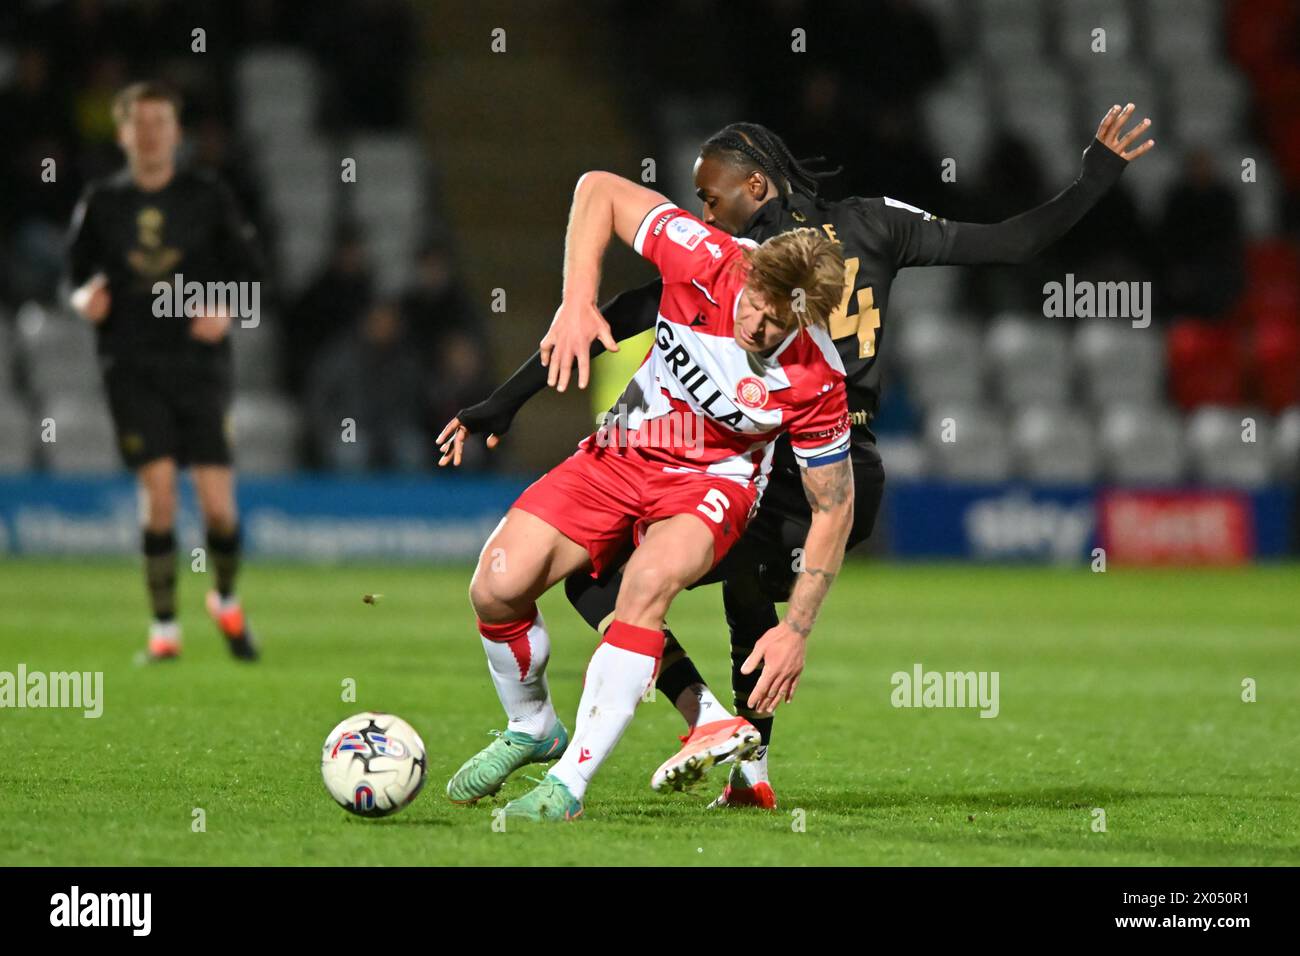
(224, 550)
(750, 615)
(677, 671)
(595, 598)
(160, 573)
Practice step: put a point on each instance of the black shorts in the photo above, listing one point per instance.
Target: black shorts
(769, 545)
(166, 408)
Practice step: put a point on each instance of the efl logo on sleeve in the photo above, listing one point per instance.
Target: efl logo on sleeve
(686, 232)
(899, 204)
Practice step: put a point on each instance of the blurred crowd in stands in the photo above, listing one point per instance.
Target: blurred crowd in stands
(1226, 279)
(408, 358)
(1228, 293)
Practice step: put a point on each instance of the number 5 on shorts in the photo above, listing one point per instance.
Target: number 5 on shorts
(715, 502)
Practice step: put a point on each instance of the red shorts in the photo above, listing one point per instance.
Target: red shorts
(604, 500)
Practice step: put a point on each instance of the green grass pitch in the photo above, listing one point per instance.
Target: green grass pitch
(1120, 691)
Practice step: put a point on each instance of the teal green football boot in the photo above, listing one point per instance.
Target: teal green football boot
(484, 773)
(548, 802)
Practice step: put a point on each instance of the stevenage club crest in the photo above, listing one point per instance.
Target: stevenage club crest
(751, 392)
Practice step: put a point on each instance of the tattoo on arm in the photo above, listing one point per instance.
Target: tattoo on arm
(828, 490)
(829, 486)
(806, 598)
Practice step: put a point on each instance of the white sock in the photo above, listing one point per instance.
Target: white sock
(168, 632)
(518, 669)
(753, 771)
(698, 705)
(616, 681)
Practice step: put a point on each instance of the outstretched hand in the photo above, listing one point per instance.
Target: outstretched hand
(569, 339)
(451, 442)
(781, 652)
(1112, 125)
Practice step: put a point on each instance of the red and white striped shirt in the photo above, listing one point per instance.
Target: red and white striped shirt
(699, 402)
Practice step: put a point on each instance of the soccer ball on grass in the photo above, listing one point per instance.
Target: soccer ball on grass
(373, 764)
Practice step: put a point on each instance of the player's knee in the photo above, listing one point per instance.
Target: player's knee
(648, 588)
(493, 597)
(481, 596)
(160, 509)
(221, 519)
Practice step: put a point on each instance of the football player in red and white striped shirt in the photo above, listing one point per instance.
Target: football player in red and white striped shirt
(741, 355)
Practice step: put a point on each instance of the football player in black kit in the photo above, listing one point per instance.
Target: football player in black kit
(752, 186)
(167, 378)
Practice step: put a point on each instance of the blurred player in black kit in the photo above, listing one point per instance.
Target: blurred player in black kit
(167, 376)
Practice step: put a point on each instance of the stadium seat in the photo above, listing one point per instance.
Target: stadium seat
(1179, 32)
(298, 171)
(307, 199)
(904, 457)
(267, 429)
(390, 201)
(269, 117)
(951, 18)
(394, 256)
(278, 91)
(303, 200)
(1218, 453)
(83, 436)
(1119, 82)
(1286, 444)
(1010, 29)
(1120, 364)
(384, 156)
(1275, 361)
(256, 353)
(1209, 104)
(979, 449)
(58, 353)
(1052, 130)
(959, 121)
(1078, 18)
(18, 435)
(301, 255)
(1031, 83)
(1150, 180)
(934, 289)
(8, 65)
(1272, 279)
(1261, 201)
(1029, 360)
(942, 358)
(1054, 444)
(1205, 365)
(8, 355)
(1141, 445)
(303, 157)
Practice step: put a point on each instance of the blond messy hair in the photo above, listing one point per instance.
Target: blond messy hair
(148, 90)
(798, 268)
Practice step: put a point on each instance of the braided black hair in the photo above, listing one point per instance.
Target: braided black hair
(756, 147)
